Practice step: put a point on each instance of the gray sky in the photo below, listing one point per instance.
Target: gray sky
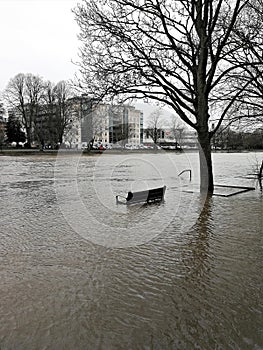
(39, 37)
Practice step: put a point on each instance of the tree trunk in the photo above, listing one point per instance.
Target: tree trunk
(205, 159)
(60, 138)
(260, 173)
(260, 176)
(28, 136)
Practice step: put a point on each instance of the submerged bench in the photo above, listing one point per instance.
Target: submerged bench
(148, 196)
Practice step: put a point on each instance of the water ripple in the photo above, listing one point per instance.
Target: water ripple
(188, 287)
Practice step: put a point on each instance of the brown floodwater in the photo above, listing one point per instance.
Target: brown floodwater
(78, 271)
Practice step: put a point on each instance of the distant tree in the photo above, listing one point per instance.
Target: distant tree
(155, 125)
(178, 53)
(54, 116)
(14, 131)
(23, 95)
(41, 132)
(177, 129)
(219, 138)
(2, 136)
(45, 125)
(63, 92)
(2, 125)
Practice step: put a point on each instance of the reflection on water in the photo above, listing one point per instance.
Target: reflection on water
(195, 284)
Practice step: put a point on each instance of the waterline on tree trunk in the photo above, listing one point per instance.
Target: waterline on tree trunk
(206, 168)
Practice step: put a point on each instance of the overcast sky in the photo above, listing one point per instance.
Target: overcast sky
(39, 37)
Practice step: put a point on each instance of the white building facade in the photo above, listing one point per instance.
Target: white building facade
(104, 123)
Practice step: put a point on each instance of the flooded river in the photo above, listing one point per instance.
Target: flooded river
(79, 272)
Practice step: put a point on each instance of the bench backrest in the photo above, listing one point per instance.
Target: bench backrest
(152, 195)
(156, 194)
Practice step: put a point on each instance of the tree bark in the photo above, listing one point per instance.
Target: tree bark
(205, 159)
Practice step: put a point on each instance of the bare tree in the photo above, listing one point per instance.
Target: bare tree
(177, 129)
(44, 126)
(2, 125)
(23, 95)
(155, 125)
(2, 131)
(173, 52)
(63, 93)
(247, 110)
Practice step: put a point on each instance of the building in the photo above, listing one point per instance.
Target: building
(109, 124)
(3, 114)
(81, 120)
(168, 138)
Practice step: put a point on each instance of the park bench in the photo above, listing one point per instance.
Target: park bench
(148, 196)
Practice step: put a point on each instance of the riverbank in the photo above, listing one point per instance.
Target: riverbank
(23, 152)
(36, 151)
